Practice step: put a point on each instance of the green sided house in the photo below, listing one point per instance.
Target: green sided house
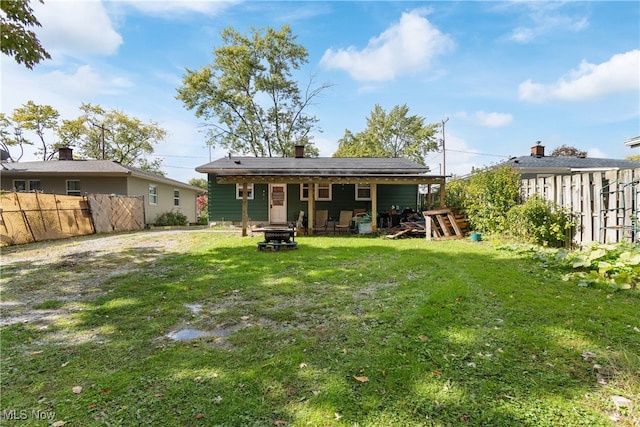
(273, 191)
(69, 176)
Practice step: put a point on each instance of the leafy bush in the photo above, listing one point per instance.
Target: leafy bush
(171, 218)
(540, 221)
(486, 197)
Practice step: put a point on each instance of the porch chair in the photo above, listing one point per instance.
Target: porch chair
(344, 223)
(321, 220)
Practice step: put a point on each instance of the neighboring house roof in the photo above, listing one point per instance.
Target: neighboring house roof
(86, 168)
(633, 142)
(320, 167)
(567, 164)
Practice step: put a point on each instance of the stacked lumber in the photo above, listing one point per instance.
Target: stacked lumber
(444, 224)
(438, 224)
(407, 229)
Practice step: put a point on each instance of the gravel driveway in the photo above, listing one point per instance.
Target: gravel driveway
(37, 278)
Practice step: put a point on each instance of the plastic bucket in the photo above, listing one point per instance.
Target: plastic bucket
(476, 237)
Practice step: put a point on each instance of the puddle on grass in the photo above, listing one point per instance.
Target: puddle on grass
(189, 334)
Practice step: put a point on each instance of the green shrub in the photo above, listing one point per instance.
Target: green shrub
(541, 222)
(486, 197)
(171, 218)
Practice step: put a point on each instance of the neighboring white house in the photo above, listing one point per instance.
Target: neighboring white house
(79, 177)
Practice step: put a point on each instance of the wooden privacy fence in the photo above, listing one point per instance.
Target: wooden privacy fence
(606, 203)
(32, 217)
(116, 213)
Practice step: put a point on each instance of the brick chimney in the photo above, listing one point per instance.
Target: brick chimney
(65, 153)
(299, 153)
(537, 150)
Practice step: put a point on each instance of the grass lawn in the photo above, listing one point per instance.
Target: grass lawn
(344, 331)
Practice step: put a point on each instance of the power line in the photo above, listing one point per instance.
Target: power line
(479, 154)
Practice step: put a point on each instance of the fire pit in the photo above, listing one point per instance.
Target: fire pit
(276, 238)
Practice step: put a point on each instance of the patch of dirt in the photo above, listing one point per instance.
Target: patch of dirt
(36, 277)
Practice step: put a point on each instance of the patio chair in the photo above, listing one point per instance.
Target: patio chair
(300, 225)
(344, 222)
(321, 220)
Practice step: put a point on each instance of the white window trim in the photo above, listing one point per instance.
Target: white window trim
(73, 192)
(176, 199)
(304, 187)
(363, 186)
(27, 184)
(153, 195)
(249, 191)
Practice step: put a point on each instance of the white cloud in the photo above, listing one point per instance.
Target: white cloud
(406, 47)
(173, 8)
(596, 154)
(546, 17)
(486, 119)
(619, 74)
(76, 27)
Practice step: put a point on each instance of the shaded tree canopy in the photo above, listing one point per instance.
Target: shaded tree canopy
(393, 134)
(97, 133)
(565, 150)
(248, 96)
(16, 38)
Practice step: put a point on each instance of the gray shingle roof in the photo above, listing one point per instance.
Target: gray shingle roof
(313, 166)
(84, 167)
(570, 162)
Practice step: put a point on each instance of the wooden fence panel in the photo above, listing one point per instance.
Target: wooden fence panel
(606, 204)
(29, 217)
(116, 213)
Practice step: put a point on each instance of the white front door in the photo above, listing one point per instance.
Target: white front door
(278, 203)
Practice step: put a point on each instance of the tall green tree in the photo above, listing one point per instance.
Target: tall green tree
(40, 120)
(113, 135)
(393, 134)
(565, 150)
(16, 37)
(248, 96)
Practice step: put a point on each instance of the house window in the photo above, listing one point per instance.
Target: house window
(153, 194)
(73, 187)
(249, 191)
(323, 192)
(363, 191)
(22, 185)
(176, 197)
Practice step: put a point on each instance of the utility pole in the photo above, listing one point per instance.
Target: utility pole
(101, 127)
(444, 151)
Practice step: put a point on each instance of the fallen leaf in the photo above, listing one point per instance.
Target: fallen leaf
(59, 423)
(422, 337)
(437, 373)
(200, 416)
(105, 391)
(77, 389)
(280, 422)
(303, 365)
(198, 379)
(362, 379)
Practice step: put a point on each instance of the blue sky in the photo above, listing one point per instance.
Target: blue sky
(504, 74)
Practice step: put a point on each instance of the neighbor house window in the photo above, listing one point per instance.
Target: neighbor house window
(249, 191)
(73, 187)
(27, 185)
(176, 197)
(323, 192)
(153, 194)
(363, 191)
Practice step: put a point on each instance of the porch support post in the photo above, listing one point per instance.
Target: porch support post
(311, 208)
(245, 209)
(442, 185)
(374, 206)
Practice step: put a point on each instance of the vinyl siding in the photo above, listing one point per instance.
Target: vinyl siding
(223, 205)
